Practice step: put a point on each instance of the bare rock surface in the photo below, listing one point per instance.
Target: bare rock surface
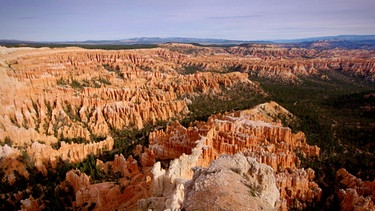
(232, 183)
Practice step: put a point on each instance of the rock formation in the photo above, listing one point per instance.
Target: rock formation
(251, 132)
(355, 194)
(179, 156)
(44, 154)
(297, 61)
(131, 186)
(65, 104)
(80, 96)
(232, 183)
(278, 62)
(11, 165)
(229, 183)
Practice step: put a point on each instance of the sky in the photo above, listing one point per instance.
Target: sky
(80, 20)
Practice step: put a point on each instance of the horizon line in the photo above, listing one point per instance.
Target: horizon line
(193, 38)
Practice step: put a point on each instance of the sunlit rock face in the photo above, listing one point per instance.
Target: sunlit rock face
(54, 96)
(256, 133)
(63, 104)
(131, 186)
(355, 194)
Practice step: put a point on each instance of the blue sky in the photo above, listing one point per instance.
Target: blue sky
(78, 20)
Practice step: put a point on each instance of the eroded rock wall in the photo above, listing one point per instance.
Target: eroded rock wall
(251, 132)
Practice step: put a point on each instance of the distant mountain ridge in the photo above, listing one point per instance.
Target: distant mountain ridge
(330, 38)
(366, 39)
(159, 40)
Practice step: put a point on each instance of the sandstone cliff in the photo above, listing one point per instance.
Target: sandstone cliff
(355, 193)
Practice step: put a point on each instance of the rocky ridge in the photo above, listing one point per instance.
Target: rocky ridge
(172, 176)
(251, 132)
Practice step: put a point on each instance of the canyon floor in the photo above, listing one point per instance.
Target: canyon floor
(188, 127)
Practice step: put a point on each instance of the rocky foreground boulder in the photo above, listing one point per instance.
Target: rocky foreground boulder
(231, 182)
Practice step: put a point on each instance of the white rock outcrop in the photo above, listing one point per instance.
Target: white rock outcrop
(231, 182)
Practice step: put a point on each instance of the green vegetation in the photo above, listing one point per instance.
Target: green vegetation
(6, 141)
(178, 49)
(104, 81)
(75, 84)
(338, 116)
(78, 85)
(62, 82)
(77, 140)
(238, 97)
(38, 185)
(144, 67)
(128, 138)
(116, 69)
(86, 46)
(89, 167)
(190, 69)
(110, 68)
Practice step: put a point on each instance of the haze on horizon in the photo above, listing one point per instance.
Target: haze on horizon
(79, 20)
